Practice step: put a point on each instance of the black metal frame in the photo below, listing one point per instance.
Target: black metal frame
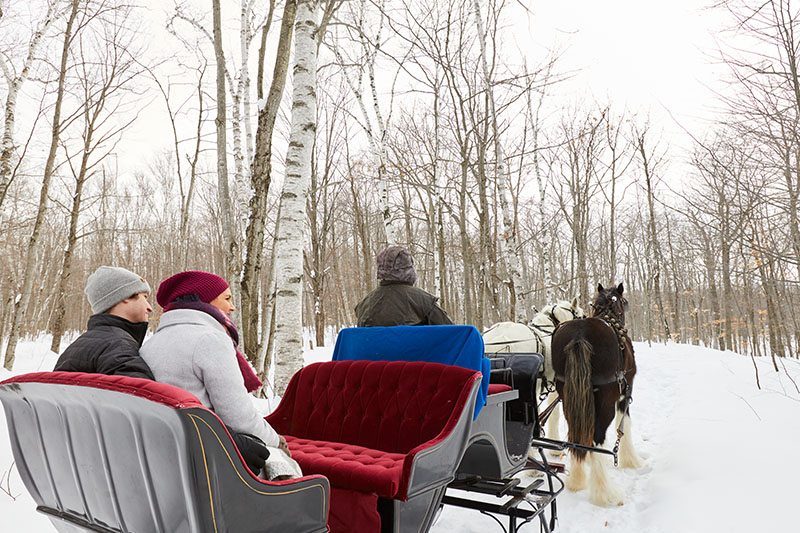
(535, 494)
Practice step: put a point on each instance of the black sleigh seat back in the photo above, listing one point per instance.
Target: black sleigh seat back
(115, 454)
(520, 371)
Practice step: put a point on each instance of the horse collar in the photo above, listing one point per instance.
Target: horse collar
(620, 331)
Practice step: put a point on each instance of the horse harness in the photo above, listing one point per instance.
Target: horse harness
(556, 322)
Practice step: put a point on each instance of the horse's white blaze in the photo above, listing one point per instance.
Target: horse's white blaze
(602, 490)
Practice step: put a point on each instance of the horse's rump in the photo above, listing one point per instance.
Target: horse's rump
(510, 337)
(606, 360)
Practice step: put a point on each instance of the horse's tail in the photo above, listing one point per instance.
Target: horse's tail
(578, 394)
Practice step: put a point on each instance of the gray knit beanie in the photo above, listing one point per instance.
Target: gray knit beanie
(109, 285)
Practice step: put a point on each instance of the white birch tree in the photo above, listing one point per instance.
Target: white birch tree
(21, 307)
(291, 240)
(376, 133)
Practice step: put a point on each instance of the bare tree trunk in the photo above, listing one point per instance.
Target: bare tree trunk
(14, 86)
(508, 249)
(229, 240)
(186, 198)
(268, 297)
(440, 272)
(260, 178)
(470, 316)
(289, 270)
(656, 259)
(21, 307)
(546, 233)
(57, 328)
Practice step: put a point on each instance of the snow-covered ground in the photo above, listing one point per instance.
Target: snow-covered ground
(720, 453)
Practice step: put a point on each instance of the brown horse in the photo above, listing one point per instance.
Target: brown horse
(594, 365)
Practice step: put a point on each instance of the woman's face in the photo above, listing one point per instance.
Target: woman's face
(224, 302)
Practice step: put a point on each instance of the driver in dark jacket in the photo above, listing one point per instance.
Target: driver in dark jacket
(116, 329)
(396, 302)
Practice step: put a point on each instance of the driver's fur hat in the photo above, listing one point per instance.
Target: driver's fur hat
(396, 264)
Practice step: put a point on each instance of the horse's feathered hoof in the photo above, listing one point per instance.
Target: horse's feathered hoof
(608, 497)
(631, 461)
(574, 485)
(576, 478)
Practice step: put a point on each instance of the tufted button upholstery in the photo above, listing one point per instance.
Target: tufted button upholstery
(361, 423)
(348, 465)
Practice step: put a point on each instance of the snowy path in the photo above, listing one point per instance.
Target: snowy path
(720, 454)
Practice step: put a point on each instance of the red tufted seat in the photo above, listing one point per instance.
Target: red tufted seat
(348, 465)
(362, 423)
(396, 429)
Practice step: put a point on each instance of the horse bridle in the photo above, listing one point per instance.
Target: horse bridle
(608, 309)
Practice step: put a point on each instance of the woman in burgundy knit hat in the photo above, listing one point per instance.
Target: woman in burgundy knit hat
(195, 348)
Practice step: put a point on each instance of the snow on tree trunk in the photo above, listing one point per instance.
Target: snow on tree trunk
(14, 84)
(21, 307)
(291, 241)
(508, 247)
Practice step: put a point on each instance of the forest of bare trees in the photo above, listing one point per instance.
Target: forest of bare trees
(289, 141)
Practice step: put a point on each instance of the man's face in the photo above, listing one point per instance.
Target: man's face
(136, 308)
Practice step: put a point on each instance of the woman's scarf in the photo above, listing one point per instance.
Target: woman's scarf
(192, 301)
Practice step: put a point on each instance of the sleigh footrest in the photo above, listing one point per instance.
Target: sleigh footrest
(487, 507)
(512, 494)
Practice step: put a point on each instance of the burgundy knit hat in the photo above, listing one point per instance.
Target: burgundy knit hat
(205, 285)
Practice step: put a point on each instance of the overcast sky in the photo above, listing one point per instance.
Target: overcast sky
(651, 57)
(647, 56)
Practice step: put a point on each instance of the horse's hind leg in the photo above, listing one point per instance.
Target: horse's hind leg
(576, 478)
(628, 458)
(601, 490)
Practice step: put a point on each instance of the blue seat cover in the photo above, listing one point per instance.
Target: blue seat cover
(450, 345)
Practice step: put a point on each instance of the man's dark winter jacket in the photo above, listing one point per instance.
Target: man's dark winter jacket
(109, 346)
(397, 303)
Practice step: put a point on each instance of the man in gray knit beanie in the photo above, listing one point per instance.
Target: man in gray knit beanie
(116, 329)
(109, 285)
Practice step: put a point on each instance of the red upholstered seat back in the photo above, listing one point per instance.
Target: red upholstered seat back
(144, 388)
(388, 406)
